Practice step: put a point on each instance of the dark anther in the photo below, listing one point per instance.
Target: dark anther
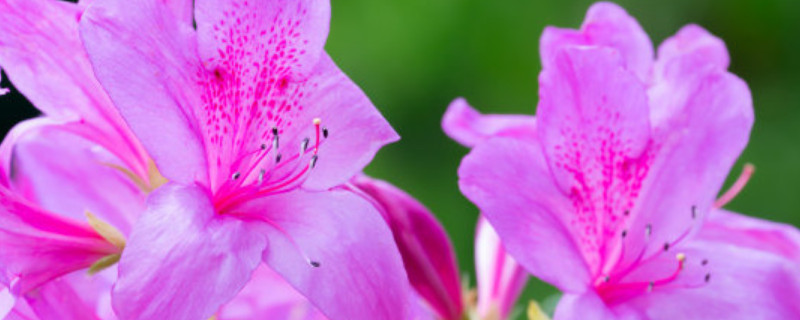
(708, 277)
(704, 262)
(313, 161)
(304, 145)
(324, 132)
(274, 131)
(263, 146)
(627, 212)
(650, 286)
(278, 158)
(648, 229)
(624, 233)
(314, 264)
(666, 246)
(694, 212)
(275, 143)
(236, 175)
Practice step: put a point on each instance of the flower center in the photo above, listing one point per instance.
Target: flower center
(266, 171)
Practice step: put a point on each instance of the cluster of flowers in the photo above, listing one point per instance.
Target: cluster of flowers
(201, 160)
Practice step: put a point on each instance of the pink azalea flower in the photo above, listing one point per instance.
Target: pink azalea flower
(256, 128)
(430, 260)
(78, 158)
(606, 197)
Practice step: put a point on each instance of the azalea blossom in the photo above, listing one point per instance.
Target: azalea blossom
(430, 261)
(255, 127)
(72, 181)
(606, 197)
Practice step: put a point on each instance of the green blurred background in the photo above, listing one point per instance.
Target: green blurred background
(412, 57)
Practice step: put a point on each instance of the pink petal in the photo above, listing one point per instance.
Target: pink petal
(292, 33)
(183, 261)
(146, 59)
(466, 125)
(698, 143)
(357, 130)
(37, 246)
(594, 126)
(500, 277)
(748, 232)
(605, 25)
(428, 255)
(47, 64)
(58, 299)
(331, 245)
(508, 179)
(587, 306)
(70, 176)
(268, 296)
(742, 283)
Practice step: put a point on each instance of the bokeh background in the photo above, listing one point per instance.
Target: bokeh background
(412, 57)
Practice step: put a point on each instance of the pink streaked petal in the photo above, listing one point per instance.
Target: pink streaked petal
(68, 175)
(10, 141)
(593, 121)
(510, 182)
(587, 306)
(749, 232)
(68, 90)
(693, 38)
(605, 25)
(698, 146)
(7, 301)
(467, 126)
(146, 59)
(286, 35)
(428, 255)
(38, 246)
(268, 296)
(183, 260)
(742, 283)
(332, 244)
(500, 278)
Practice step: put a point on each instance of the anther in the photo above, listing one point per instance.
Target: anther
(274, 131)
(324, 132)
(627, 212)
(304, 145)
(666, 246)
(263, 146)
(275, 142)
(606, 279)
(236, 175)
(278, 158)
(261, 174)
(313, 161)
(648, 230)
(650, 286)
(708, 277)
(704, 262)
(314, 264)
(624, 233)
(694, 212)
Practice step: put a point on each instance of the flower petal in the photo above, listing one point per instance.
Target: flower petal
(357, 129)
(145, 57)
(742, 283)
(467, 126)
(268, 296)
(707, 128)
(183, 261)
(508, 179)
(593, 122)
(326, 244)
(428, 255)
(500, 277)
(606, 25)
(587, 306)
(749, 232)
(37, 246)
(71, 176)
(292, 33)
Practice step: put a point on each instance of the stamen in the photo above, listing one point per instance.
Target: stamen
(737, 186)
